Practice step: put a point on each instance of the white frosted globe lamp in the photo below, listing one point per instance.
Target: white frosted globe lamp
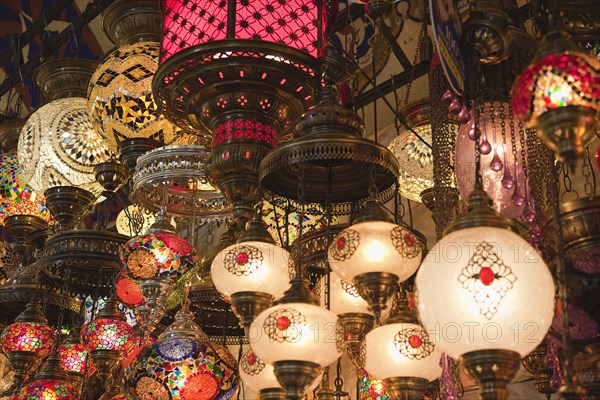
(375, 255)
(251, 273)
(259, 377)
(402, 354)
(297, 337)
(486, 296)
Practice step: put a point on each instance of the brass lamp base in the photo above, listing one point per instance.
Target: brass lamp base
(105, 362)
(492, 370)
(356, 326)
(67, 204)
(568, 392)
(155, 291)
(376, 288)
(19, 227)
(247, 305)
(271, 394)
(406, 388)
(296, 376)
(23, 363)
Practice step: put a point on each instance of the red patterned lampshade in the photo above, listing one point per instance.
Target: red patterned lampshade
(239, 72)
(559, 95)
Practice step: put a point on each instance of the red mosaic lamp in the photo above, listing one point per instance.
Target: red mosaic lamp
(73, 359)
(559, 95)
(107, 337)
(26, 342)
(239, 72)
(50, 383)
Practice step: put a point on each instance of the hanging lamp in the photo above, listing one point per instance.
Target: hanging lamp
(106, 338)
(402, 354)
(485, 288)
(26, 342)
(183, 364)
(251, 273)
(558, 94)
(50, 383)
(239, 72)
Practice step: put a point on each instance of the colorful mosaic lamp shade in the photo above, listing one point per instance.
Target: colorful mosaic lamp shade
(370, 388)
(414, 157)
(106, 338)
(559, 95)
(501, 144)
(182, 364)
(120, 100)
(26, 342)
(58, 145)
(16, 195)
(240, 72)
(50, 383)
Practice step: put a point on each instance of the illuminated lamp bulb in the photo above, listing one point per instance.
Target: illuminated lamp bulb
(402, 354)
(251, 273)
(558, 94)
(26, 342)
(375, 255)
(485, 289)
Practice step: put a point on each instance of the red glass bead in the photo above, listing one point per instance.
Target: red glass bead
(340, 243)
(346, 336)
(409, 240)
(251, 358)
(415, 341)
(241, 258)
(283, 322)
(486, 276)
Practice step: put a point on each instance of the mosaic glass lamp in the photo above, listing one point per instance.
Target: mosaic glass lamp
(251, 273)
(414, 157)
(106, 338)
(402, 354)
(375, 255)
(239, 72)
(16, 195)
(492, 289)
(120, 100)
(559, 95)
(26, 342)
(73, 359)
(182, 364)
(50, 383)
(154, 261)
(58, 145)
(370, 388)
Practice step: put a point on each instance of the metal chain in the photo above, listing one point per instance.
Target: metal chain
(411, 75)
(300, 194)
(338, 382)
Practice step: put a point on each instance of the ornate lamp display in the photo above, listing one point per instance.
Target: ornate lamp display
(106, 338)
(558, 94)
(58, 145)
(414, 157)
(50, 383)
(291, 336)
(489, 286)
(26, 342)
(183, 364)
(371, 388)
(155, 261)
(402, 354)
(501, 144)
(242, 71)
(120, 101)
(16, 196)
(260, 378)
(251, 273)
(375, 255)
